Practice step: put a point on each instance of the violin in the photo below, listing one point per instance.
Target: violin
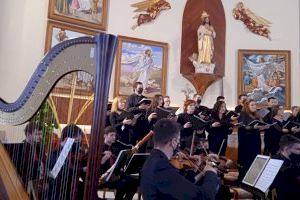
(183, 161)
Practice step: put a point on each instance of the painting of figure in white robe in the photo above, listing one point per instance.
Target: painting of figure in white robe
(141, 63)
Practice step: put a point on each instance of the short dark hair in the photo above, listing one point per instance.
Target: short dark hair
(220, 97)
(31, 127)
(275, 109)
(135, 84)
(242, 95)
(71, 131)
(288, 140)
(164, 130)
(109, 129)
(270, 98)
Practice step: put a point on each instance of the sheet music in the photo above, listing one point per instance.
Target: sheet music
(62, 157)
(268, 175)
(263, 112)
(286, 116)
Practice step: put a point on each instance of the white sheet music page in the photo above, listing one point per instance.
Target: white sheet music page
(62, 157)
(268, 175)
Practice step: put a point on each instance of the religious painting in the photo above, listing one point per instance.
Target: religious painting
(86, 13)
(58, 32)
(143, 61)
(263, 74)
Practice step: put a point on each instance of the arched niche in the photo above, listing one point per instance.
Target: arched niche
(190, 23)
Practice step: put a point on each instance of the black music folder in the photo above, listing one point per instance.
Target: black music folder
(198, 123)
(231, 113)
(260, 123)
(126, 115)
(144, 101)
(165, 112)
(291, 124)
(136, 162)
(261, 174)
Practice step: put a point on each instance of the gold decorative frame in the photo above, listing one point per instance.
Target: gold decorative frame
(51, 26)
(94, 17)
(265, 73)
(126, 74)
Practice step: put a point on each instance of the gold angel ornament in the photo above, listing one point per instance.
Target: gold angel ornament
(254, 23)
(149, 10)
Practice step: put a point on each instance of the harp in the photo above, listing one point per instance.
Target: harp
(70, 86)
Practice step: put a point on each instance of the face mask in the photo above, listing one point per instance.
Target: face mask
(176, 149)
(75, 147)
(140, 90)
(295, 158)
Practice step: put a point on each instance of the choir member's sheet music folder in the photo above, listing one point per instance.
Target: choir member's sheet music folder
(262, 173)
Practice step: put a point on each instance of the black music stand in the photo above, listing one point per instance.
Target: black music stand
(119, 164)
(135, 164)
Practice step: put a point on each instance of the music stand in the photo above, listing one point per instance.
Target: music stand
(136, 162)
(119, 163)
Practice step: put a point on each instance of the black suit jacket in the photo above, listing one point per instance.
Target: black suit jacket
(160, 180)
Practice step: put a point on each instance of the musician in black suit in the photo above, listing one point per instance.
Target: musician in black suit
(28, 155)
(272, 101)
(125, 185)
(66, 184)
(198, 107)
(136, 97)
(249, 142)
(219, 130)
(287, 181)
(160, 180)
(242, 98)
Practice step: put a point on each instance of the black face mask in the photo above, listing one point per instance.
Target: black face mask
(176, 149)
(75, 147)
(140, 90)
(295, 158)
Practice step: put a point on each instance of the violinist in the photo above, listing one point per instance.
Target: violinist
(126, 186)
(287, 181)
(219, 129)
(160, 180)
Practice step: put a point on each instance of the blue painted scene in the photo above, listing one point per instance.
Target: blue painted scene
(264, 76)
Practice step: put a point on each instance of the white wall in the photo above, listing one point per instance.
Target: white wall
(23, 29)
